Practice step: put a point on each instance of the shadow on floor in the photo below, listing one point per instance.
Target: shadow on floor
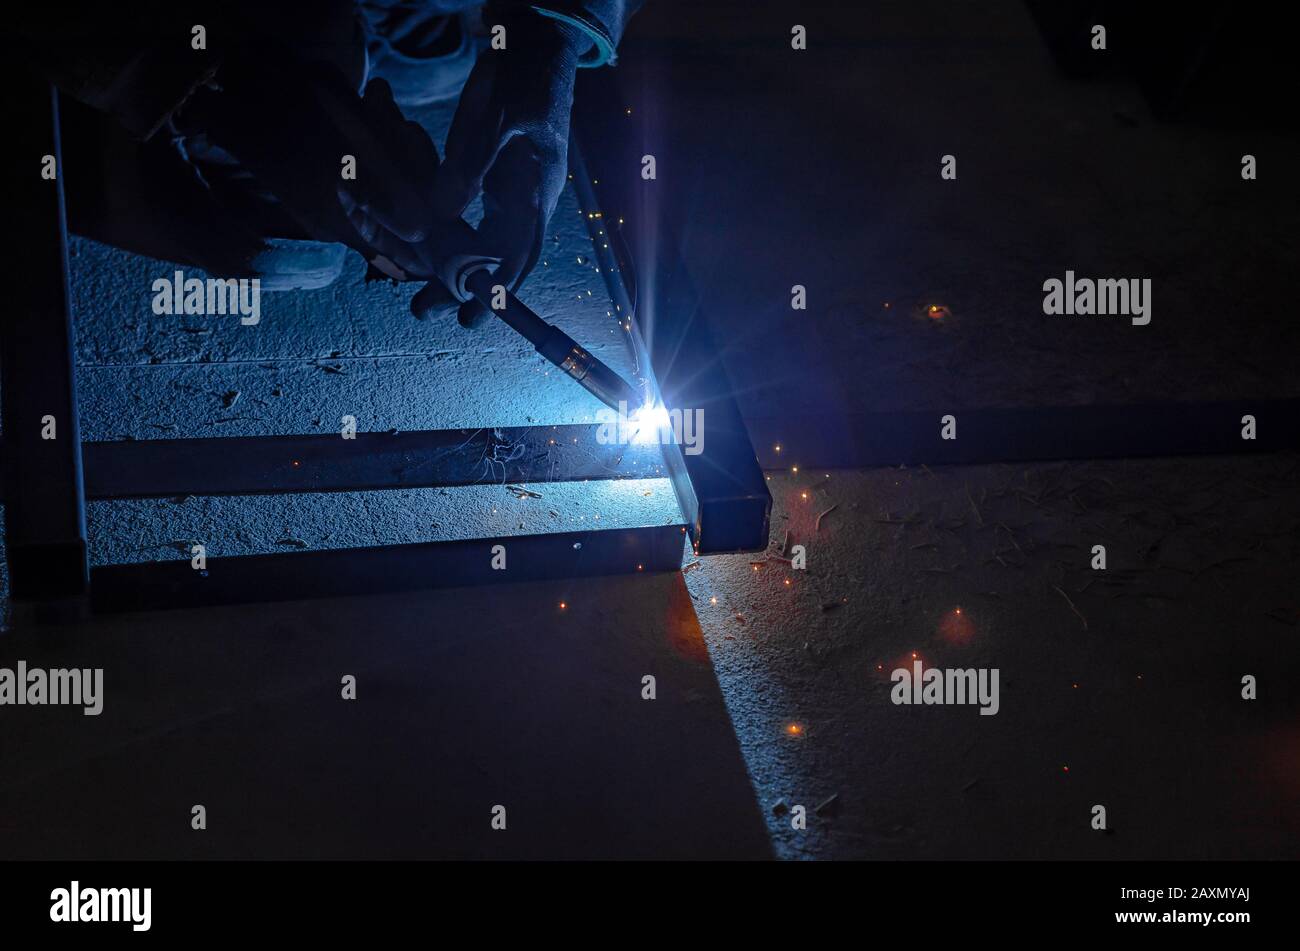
(466, 699)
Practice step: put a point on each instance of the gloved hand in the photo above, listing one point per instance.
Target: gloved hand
(509, 140)
(290, 124)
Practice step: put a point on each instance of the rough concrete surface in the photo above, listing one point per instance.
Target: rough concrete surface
(1120, 687)
(156, 529)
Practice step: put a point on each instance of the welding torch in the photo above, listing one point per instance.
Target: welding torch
(471, 276)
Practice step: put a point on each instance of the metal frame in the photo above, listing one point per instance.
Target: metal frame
(722, 490)
(45, 513)
(276, 465)
(45, 534)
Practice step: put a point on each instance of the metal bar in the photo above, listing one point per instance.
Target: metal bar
(724, 492)
(340, 572)
(276, 465)
(855, 440)
(612, 253)
(45, 522)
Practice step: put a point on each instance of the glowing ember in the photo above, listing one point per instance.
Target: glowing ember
(956, 627)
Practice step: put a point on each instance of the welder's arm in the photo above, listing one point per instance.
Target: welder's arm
(296, 126)
(136, 62)
(217, 69)
(509, 139)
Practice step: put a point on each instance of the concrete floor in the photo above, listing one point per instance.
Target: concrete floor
(1118, 687)
(820, 171)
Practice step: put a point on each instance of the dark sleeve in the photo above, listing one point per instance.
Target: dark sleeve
(134, 61)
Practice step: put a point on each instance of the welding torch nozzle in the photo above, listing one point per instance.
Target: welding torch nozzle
(472, 276)
(551, 342)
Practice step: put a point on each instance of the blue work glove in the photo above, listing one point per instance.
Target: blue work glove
(510, 141)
